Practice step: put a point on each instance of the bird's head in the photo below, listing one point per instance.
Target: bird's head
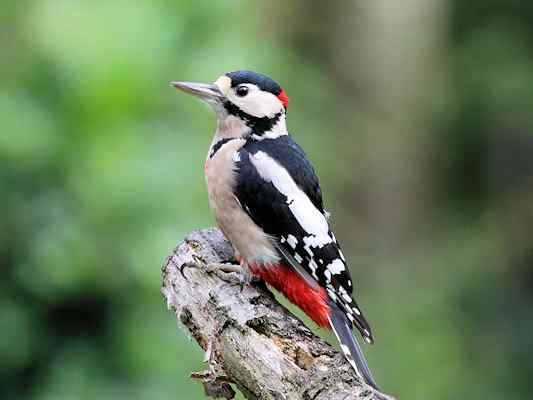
(244, 101)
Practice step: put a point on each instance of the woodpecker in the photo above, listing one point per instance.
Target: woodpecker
(267, 201)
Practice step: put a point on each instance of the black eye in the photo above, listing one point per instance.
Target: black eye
(241, 91)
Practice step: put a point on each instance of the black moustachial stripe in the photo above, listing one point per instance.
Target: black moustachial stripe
(216, 147)
(256, 124)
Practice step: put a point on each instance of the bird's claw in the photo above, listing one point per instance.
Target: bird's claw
(227, 271)
(198, 261)
(186, 265)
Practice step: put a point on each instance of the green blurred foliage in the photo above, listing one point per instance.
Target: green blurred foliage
(101, 176)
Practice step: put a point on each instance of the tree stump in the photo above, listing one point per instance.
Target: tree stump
(249, 339)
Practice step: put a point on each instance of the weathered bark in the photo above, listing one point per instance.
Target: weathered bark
(250, 339)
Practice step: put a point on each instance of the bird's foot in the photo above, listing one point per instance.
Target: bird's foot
(224, 267)
(231, 273)
(218, 268)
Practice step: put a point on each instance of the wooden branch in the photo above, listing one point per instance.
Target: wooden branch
(250, 340)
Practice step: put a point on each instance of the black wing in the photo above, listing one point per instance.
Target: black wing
(291, 157)
(265, 171)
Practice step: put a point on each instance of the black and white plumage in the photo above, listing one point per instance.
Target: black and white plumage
(267, 200)
(279, 190)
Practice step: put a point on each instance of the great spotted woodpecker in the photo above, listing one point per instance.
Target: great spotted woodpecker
(267, 200)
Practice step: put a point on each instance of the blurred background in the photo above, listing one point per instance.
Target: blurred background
(418, 115)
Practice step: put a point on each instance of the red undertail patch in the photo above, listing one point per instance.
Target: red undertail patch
(312, 301)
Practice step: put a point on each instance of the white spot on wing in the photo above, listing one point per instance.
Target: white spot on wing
(298, 258)
(316, 241)
(344, 294)
(236, 156)
(336, 267)
(312, 265)
(292, 241)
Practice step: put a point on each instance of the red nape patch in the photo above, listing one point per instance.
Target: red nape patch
(313, 302)
(282, 96)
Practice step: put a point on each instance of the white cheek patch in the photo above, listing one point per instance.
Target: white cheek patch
(257, 103)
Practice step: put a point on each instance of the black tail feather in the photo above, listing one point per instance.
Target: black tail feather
(351, 349)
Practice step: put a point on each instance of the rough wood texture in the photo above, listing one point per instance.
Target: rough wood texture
(249, 338)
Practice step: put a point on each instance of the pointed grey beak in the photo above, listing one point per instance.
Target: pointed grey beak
(202, 90)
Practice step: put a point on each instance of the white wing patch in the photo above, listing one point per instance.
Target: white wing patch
(307, 215)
